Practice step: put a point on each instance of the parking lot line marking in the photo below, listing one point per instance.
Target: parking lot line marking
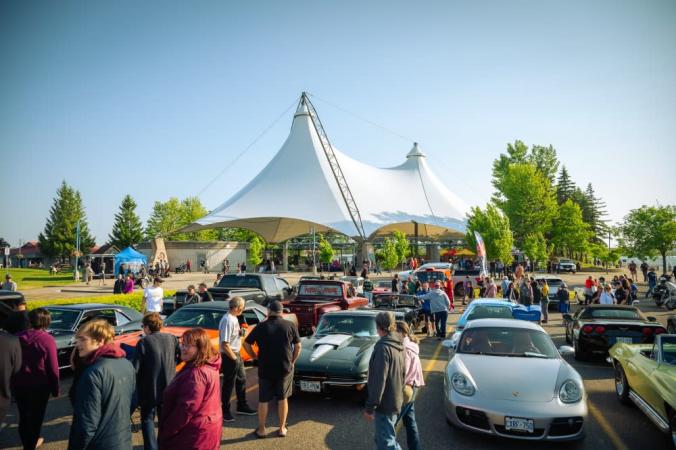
(427, 369)
(605, 426)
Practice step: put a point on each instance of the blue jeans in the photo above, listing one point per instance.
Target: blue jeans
(412, 435)
(148, 427)
(440, 319)
(386, 436)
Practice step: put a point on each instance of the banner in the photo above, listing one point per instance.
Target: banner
(481, 253)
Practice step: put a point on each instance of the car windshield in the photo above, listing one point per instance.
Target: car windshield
(63, 319)
(565, 261)
(341, 324)
(432, 275)
(551, 282)
(490, 312)
(393, 301)
(385, 284)
(612, 313)
(192, 317)
(321, 290)
(669, 350)
(240, 281)
(514, 342)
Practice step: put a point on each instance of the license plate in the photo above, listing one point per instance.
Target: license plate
(310, 386)
(624, 340)
(516, 424)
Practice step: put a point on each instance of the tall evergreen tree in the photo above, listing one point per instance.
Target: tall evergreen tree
(596, 211)
(565, 187)
(59, 236)
(127, 229)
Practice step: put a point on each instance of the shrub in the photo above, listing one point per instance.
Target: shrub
(131, 300)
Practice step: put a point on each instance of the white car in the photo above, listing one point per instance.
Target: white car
(505, 377)
(566, 265)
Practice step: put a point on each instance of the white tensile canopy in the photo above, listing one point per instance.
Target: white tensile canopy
(297, 191)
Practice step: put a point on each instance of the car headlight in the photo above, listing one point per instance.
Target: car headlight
(570, 392)
(461, 384)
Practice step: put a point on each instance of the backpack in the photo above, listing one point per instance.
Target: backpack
(525, 293)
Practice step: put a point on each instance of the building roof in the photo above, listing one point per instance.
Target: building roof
(297, 190)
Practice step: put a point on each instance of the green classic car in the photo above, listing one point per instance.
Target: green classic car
(337, 355)
(645, 374)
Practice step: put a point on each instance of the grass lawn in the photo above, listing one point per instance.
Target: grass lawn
(37, 278)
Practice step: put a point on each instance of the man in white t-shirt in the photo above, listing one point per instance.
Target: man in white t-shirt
(152, 297)
(234, 376)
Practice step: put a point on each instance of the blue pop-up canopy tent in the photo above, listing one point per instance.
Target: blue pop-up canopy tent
(132, 260)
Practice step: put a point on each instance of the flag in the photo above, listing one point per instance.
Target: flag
(481, 253)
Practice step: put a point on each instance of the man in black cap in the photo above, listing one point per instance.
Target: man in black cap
(278, 349)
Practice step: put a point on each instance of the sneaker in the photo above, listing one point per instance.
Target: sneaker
(245, 410)
(227, 417)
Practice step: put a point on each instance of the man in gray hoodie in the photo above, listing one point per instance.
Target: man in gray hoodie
(439, 305)
(387, 373)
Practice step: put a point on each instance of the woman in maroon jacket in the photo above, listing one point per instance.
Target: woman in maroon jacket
(38, 377)
(192, 418)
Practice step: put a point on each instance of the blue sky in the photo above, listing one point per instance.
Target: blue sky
(155, 99)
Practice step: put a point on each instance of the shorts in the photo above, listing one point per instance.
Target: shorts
(275, 389)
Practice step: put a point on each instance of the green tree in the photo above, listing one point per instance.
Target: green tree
(528, 201)
(545, 160)
(402, 246)
(164, 219)
(59, 235)
(565, 187)
(606, 255)
(326, 251)
(535, 247)
(569, 232)
(493, 226)
(235, 234)
(170, 216)
(255, 256)
(4, 243)
(389, 254)
(595, 211)
(649, 230)
(127, 229)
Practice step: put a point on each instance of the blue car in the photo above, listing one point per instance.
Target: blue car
(483, 309)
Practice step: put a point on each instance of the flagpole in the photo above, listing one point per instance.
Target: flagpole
(76, 274)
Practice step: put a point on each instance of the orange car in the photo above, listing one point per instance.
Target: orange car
(208, 315)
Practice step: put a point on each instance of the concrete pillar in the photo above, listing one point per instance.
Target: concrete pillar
(285, 257)
(433, 252)
(365, 252)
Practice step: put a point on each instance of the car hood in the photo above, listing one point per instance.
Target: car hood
(333, 349)
(519, 379)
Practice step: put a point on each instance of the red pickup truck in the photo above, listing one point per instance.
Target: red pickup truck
(316, 297)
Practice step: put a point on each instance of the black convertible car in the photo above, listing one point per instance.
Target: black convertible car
(66, 319)
(407, 305)
(593, 329)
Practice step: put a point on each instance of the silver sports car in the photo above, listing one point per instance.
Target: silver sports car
(505, 377)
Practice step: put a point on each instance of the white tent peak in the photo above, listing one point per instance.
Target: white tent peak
(298, 191)
(415, 152)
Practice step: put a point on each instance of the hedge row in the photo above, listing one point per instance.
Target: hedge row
(130, 300)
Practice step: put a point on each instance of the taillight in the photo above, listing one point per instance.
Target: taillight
(659, 331)
(600, 330)
(647, 331)
(587, 329)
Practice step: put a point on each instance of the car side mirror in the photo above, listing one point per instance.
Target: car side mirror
(651, 319)
(566, 350)
(567, 317)
(447, 344)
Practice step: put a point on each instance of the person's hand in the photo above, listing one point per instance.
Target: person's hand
(369, 416)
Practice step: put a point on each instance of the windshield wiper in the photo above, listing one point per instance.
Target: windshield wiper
(533, 355)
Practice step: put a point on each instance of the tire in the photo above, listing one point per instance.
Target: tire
(671, 415)
(579, 354)
(621, 384)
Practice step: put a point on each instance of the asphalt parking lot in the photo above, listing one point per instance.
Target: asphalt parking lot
(317, 422)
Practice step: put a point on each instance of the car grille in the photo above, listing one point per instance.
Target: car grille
(472, 417)
(537, 432)
(321, 376)
(565, 426)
